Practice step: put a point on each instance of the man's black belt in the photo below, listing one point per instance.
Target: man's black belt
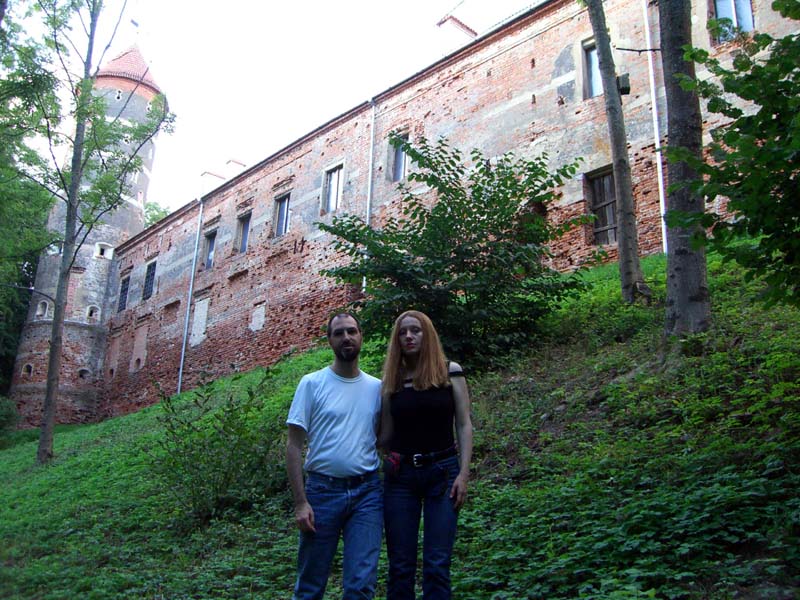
(423, 460)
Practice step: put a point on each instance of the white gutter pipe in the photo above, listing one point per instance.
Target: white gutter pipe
(656, 128)
(190, 292)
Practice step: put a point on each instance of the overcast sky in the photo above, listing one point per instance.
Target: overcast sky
(247, 77)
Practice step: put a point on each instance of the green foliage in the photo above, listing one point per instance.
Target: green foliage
(606, 466)
(755, 156)
(8, 415)
(223, 444)
(473, 258)
(153, 213)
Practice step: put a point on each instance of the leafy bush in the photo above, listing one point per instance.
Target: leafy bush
(473, 258)
(221, 448)
(8, 414)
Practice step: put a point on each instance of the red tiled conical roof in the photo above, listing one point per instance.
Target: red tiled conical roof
(130, 65)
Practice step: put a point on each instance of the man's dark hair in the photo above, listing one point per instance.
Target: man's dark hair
(342, 314)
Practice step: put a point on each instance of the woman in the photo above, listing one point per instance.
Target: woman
(423, 396)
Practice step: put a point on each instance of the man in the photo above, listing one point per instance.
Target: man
(337, 410)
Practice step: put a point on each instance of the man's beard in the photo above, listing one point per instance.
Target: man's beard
(347, 353)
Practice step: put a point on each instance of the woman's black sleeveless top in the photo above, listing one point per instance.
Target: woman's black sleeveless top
(423, 420)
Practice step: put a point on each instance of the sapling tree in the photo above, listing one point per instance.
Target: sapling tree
(472, 252)
(101, 153)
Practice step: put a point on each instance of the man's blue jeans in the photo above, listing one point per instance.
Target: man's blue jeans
(407, 494)
(351, 508)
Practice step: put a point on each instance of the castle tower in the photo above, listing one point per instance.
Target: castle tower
(128, 89)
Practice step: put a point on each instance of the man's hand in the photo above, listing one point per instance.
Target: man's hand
(304, 517)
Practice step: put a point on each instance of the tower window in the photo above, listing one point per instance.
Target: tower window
(27, 370)
(103, 250)
(149, 281)
(42, 309)
(93, 314)
(84, 374)
(118, 95)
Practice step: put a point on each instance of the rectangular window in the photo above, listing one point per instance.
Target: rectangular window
(281, 215)
(243, 232)
(149, 280)
(333, 189)
(208, 249)
(738, 12)
(593, 84)
(400, 163)
(604, 208)
(123, 294)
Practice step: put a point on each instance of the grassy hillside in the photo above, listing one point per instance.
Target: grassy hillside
(606, 466)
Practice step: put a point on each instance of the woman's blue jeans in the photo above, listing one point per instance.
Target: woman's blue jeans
(410, 493)
(349, 508)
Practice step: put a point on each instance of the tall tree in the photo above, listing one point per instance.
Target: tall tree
(102, 155)
(756, 164)
(688, 304)
(631, 277)
(25, 85)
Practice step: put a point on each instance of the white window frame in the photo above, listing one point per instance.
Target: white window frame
(333, 185)
(592, 78)
(282, 215)
(400, 161)
(209, 248)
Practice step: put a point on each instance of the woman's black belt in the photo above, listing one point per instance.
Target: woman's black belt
(423, 460)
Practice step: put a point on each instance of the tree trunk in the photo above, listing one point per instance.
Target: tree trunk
(631, 278)
(83, 99)
(688, 305)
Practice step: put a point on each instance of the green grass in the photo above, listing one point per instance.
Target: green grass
(608, 464)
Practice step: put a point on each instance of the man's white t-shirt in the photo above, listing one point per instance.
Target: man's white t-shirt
(340, 417)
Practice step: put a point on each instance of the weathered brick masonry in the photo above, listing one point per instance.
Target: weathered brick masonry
(520, 88)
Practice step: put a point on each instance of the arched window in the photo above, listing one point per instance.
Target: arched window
(27, 370)
(84, 374)
(93, 314)
(42, 309)
(138, 364)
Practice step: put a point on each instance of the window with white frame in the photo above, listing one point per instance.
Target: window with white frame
(242, 232)
(604, 207)
(208, 249)
(400, 162)
(103, 250)
(42, 309)
(332, 191)
(593, 81)
(93, 314)
(737, 13)
(282, 215)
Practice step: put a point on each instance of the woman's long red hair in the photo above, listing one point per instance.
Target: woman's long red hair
(431, 370)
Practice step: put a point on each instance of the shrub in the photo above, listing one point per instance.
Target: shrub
(473, 257)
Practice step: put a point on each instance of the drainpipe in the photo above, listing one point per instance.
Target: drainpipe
(371, 161)
(190, 292)
(656, 129)
(370, 176)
